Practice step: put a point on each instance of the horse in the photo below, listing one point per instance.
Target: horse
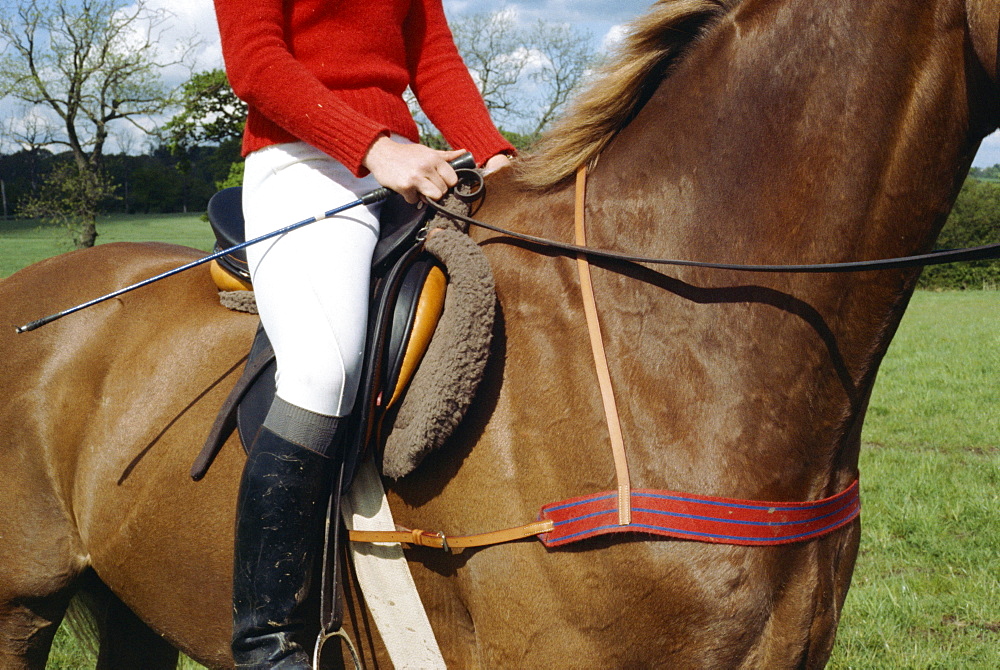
(742, 131)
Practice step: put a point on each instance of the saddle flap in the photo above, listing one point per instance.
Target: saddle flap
(389, 361)
(399, 224)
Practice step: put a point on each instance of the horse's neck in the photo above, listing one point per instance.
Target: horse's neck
(804, 132)
(796, 132)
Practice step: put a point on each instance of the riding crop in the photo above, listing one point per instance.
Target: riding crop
(370, 198)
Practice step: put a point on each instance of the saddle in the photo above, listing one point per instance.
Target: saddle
(408, 288)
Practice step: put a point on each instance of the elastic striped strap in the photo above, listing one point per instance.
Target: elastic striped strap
(702, 518)
(667, 513)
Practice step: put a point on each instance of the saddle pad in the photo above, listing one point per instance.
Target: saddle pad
(446, 381)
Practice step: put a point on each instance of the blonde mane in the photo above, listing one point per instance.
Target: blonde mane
(619, 90)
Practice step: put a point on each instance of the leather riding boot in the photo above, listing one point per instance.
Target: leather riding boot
(278, 524)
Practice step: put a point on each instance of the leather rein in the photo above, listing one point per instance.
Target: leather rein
(985, 252)
(659, 512)
(653, 511)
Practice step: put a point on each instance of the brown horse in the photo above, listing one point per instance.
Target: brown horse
(761, 131)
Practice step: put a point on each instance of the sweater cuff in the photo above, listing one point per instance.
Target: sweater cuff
(480, 137)
(349, 143)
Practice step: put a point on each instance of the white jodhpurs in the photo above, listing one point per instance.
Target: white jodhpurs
(311, 284)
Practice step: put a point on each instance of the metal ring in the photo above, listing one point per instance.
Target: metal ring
(470, 185)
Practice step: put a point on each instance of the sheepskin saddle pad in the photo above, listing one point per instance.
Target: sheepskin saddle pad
(429, 337)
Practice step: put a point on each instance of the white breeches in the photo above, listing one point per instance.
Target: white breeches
(311, 284)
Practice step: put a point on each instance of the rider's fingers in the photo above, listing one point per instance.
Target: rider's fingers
(433, 188)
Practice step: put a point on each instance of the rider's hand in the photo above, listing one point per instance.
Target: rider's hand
(495, 163)
(411, 170)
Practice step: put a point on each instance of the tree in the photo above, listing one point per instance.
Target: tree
(974, 221)
(565, 60)
(88, 64)
(68, 195)
(526, 74)
(210, 114)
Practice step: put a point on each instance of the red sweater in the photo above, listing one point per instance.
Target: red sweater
(332, 74)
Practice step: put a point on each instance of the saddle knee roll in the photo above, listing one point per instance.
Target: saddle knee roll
(430, 306)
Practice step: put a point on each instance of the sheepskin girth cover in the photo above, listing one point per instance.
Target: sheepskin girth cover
(445, 383)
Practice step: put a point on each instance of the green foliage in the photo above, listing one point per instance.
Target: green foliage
(210, 113)
(146, 183)
(234, 178)
(22, 173)
(988, 174)
(70, 197)
(522, 142)
(974, 221)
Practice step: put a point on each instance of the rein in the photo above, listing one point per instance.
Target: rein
(986, 252)
(652, 511)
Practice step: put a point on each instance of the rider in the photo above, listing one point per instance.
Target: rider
(327, 122)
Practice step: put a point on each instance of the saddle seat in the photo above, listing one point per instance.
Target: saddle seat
(408, 294)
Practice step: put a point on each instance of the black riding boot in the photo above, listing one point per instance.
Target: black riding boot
(278, 526)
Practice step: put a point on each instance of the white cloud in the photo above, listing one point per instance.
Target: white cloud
(189, 27)
(989, 152)
(613, 37)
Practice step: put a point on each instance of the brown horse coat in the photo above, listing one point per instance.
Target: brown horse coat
(790, 131)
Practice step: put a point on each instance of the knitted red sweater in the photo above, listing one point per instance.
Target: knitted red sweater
(332, 74)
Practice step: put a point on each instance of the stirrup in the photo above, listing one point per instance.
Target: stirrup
(341, 633)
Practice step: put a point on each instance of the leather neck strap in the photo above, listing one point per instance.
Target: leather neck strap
(600, 358)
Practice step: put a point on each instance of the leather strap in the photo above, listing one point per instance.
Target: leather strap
(987, 252)
(425, 538)
(701, 518)
(600, 358)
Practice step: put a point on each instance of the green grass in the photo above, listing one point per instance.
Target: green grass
(23, 242)
(926, 590)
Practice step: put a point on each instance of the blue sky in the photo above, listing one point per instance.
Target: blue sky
(597, 17)
(602, 19)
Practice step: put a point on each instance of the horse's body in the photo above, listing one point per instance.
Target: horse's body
(791, 132)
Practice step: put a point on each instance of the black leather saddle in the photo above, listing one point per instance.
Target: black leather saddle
(400, 268)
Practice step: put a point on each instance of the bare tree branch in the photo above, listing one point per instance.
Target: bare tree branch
(526, 74)
(92, 63)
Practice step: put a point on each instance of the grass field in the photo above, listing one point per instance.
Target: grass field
(926, 590)
(23, 242)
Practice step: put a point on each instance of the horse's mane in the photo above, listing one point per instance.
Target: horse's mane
(620, 88)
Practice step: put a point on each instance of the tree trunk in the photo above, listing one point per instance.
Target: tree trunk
(88, 234)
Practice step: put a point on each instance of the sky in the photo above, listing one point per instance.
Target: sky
(603, 20)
